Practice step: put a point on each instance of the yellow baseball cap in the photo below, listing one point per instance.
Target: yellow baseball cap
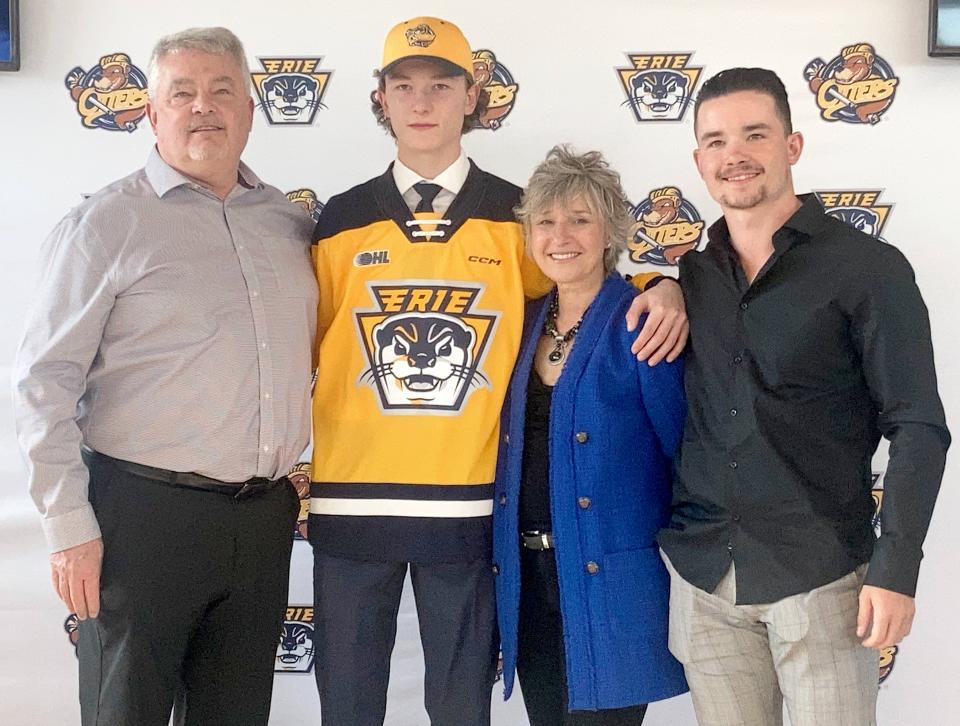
(429, 38)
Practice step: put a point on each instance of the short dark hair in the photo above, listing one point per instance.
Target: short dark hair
(470, 122)
(733, 80)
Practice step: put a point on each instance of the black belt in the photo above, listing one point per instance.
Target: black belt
(186, 479)
(537, 540)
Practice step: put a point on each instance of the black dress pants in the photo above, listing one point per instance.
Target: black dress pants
(193, 591)
(541, 662)
(355, 619)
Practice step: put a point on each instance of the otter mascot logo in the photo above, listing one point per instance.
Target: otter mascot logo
(659, 86)
(856, 86)
(888, 655)
(291, 89)
(307, 198)
(299, 476)
(494, 78)
(112, 95)
(667, 227)
(421, 36)
(859, 209)
(424, 344)
(295, 652)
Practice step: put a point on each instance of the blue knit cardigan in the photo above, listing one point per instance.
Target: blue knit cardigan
(615, 425)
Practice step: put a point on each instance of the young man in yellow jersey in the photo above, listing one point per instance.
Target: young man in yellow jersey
(423, 277)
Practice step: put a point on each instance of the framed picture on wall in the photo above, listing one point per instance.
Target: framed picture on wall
(944, 27)
(9, 36)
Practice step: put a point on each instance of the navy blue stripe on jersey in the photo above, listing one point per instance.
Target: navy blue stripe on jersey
(413, 492)
(403, 539)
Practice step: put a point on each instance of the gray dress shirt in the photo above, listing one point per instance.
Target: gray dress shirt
(169, 328)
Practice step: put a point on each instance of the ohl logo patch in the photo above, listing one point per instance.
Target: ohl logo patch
(496, 80)
(291, 89)
(860, 209)
(888, 655)
(425, 345)
(112, 95)
(295, 651)
(857, 86)
(307, 198)
(659, 86)
(667, 227)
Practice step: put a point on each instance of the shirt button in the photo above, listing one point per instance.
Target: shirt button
(733, 412)
(266, 448)
(254, 294)
(503, 500)
(593, 568)
(581, 437)
(263, 345)
(730, 547)
(743, 306)
(266, 395)
(733, 465)
(738, 360)
(584, 502)
(736, 517)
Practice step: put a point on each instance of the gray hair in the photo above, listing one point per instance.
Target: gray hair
(215, 41)
(565, 175)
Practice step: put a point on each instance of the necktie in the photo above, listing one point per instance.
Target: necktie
(427, 194)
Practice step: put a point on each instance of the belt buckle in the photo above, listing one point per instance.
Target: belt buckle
(251, 488)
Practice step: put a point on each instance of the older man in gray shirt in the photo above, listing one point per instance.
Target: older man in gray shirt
(162, 393)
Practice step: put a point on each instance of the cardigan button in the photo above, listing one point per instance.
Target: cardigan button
(584, 502)
(581, 437)
(593, 568)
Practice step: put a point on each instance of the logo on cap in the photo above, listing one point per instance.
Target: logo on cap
(421, 36)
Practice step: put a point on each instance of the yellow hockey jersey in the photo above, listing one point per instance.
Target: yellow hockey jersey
(420, 319)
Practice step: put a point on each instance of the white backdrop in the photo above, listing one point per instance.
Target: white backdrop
(563, 56)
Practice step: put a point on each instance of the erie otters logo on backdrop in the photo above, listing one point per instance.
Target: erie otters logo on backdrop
(659, 86)
(307, 198)
(858, 208)
(295, 653)
(425, 344)
(291, 89)
(112, 95)
(856, 87)
(496, 80)
(888, 655)
(667, 227)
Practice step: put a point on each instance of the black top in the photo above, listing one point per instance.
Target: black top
(791, 381)
(535, 482)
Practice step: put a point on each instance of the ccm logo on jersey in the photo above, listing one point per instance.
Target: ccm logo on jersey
(483, 260)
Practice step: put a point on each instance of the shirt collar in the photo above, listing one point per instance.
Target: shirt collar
(801, 226)
(163, 177)
(451, 178)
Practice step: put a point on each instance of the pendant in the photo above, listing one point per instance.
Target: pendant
(556, 356)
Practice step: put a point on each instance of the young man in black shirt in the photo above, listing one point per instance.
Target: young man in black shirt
(809, 341)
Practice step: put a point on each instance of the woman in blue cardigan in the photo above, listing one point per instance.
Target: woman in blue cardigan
(583, 479)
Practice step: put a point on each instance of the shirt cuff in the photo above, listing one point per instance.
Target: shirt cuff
(895, 569)
(656, 281)
(71, 529)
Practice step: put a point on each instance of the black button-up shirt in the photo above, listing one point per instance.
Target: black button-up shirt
(791, 381)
